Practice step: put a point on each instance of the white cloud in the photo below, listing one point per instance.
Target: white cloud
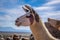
(50, 14)
(48, 10)
(11, 15)
(8, 20)
(10, 3)
(44, 8)
(22, 27)
(52, 2)
(46, 15)
(48, 6)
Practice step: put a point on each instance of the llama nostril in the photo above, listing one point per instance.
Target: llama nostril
(16, 21)
(17, 18)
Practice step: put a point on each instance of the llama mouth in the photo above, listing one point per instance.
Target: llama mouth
(18, 24)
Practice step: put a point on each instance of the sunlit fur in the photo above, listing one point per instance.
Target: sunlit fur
(55, 23)
(38, 28)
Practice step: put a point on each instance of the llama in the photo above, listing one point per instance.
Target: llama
(54, 23)
(54, 31)
(39, 30)
(15, 37)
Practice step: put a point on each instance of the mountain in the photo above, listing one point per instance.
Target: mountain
(10, 29)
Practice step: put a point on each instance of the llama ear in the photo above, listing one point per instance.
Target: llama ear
(48, 19)
(30, 9)
(27, 9)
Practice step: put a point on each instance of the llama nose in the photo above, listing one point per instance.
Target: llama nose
(16, 21)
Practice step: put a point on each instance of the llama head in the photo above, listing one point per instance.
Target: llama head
(53, 22)
(28, 18)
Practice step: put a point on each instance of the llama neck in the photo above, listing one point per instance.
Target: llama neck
(40, 32)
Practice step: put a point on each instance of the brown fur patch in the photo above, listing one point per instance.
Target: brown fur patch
(31, 18)
(36, 16)
(58, 24)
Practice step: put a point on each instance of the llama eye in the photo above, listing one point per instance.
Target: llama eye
(27, 11)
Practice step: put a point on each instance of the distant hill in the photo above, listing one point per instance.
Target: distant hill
(10, 29)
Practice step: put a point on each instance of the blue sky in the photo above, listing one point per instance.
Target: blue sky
(11, 9)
